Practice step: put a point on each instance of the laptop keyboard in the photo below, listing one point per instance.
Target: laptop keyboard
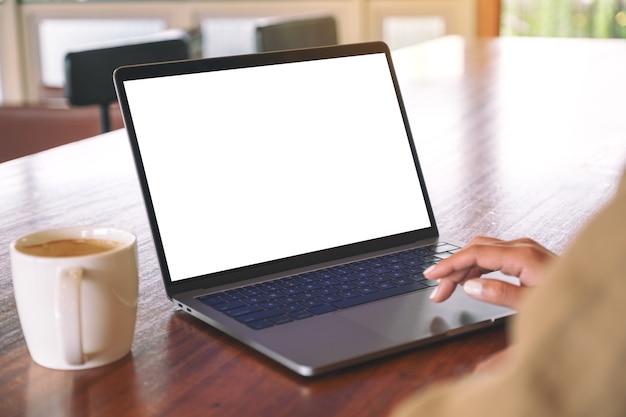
(322, 291)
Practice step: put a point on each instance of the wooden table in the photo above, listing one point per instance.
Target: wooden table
(517, 137)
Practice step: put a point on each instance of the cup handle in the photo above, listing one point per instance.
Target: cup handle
(67, 314)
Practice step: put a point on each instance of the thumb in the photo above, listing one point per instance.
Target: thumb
(494, 291)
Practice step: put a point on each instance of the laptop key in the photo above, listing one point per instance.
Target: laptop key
(349, 294)
(253, 300)
(346, 286)
(270, 304)
(291, 291)
(279, 319)
(445, 247)
(331, 298)
(429, 282)
(259, 325)
(366, 289)
(385, 285)
(228, 306)
(240, 311)
(212, 299)
(229, 297)
(259, 315)
(312, 302)
(273, 295)
(290, 308)
(321, 309)
(299, 315)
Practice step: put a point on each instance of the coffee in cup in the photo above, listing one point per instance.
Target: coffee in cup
(69, 247)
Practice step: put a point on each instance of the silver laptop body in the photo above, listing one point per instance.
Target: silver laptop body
(282, 166)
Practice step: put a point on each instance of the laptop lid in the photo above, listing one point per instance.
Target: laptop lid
(267, 162)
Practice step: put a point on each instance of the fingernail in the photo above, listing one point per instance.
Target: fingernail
(429, 269)
(473, 287)
(434, 293)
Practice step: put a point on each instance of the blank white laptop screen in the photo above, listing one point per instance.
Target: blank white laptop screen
(256, 164)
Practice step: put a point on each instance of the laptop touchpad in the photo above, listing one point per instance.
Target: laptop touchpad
(415, 316)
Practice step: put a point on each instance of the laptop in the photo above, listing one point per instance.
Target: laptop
(287, 203)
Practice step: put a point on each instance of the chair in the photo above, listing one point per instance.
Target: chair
(89, 72)
(30, 128)
(296, 33)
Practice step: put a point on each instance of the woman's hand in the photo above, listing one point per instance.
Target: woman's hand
(522, 258)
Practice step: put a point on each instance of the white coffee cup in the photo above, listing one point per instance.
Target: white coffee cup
(77, 310)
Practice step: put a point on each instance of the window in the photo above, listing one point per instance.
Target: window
(399, 31)
(228, 36)
(564, 18)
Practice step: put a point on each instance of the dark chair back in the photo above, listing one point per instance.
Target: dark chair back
(89, 72)
(297, 33)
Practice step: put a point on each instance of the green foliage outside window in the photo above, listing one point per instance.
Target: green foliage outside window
(564, 18)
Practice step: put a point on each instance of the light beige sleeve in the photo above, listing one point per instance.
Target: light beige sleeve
(570, 336)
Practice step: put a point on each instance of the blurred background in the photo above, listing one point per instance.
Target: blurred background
(36, 35)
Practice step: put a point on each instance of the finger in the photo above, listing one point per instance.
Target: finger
(443, 290)
(495, 292)
(447, 285)
(473, 272)
(460, 275)
(484, 240)
(512, 260)
(529, 244)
